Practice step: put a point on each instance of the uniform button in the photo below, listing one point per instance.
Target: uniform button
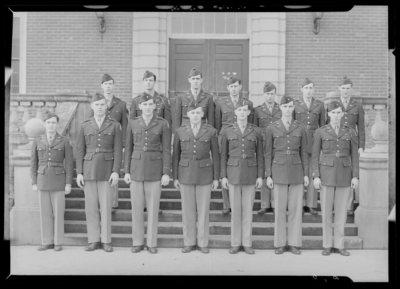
(194, 151)
(242, 138)
(242, 150)
(146, 131)
(288, 147)
(287, 141)
(345, 122)
(145, 138)
(99, 145)
(99, 134)
(308, 117)
(242, 145)
(194, 146)
(308, 113)
(99, 139)
(145, 144)
(287, 135)
(49, 153)
(194, 140)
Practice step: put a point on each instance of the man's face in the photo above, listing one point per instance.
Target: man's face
(195, 115)
(336, 115)
(51, 125)
(195, 81)
(149, 83)
(308, 90)
(234, 88)
(147, 108)
(269, 96)
(345, 90)
(242, 112)
(108, 86)
(287, 109)
(99, 107)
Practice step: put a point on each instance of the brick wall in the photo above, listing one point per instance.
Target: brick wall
(65, 51)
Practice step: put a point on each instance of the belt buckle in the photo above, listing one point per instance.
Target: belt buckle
(243, 156)
(97, 150)
(194, 157)
(49, 164)
(145, 148)
(287, 152)
(337, 154)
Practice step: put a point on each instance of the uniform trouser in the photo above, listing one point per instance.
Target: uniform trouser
(195, 196)
(225, 193)
(52, 208)
(148, 193)
(266, 200)
(98, 193)
(311, 197)
(114, 190)
(288, 196)
(338, 197)
(242, 201)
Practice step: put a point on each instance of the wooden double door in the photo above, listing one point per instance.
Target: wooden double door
(214, 58)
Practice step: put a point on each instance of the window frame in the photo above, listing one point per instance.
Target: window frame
(22, 50)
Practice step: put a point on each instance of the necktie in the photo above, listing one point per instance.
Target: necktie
(99, 122)
(308, 103)
(345, 103)
(195, 130)
(337, 130)
(146, 121)
(287, 125)
(270, 108)
(50, 139)
(242, 128)
(195, 94)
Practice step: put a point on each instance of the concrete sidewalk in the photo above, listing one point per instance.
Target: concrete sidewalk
(361, 266)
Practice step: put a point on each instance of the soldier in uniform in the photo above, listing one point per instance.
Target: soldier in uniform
(353, 117)
(98, 163)
(147, 167)
(118, 111)
(199, 96)
(310, 112)
(225, 116)
(242, 170)
(265, 115)
(286, 169)
(196, 174)
(51, 174)
(335, 172)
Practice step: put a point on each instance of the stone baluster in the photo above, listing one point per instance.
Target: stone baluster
(13, 117)
(367, 110)
(51, 106)
(25, 108)
(38, 105)
(380, 131)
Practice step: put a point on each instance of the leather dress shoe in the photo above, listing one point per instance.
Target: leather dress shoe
(203, 250)
(248, 250)
(145, 210)
(310, 210)
(114, 209)
(107, 247)
(294, 250)
(265, 210)
(45, 247)
(350, 213)
(57, 248)
(342, 252)
(226, 211)
(137, 249)
(152, 250)
(93, 246)
(234, 250)
(188, 249)
(281, 250)
(327, 251)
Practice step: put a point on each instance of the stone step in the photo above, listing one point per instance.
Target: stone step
(176, 216)
(215, 241)
(216, 228)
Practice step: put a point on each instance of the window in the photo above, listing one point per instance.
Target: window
(18, 53)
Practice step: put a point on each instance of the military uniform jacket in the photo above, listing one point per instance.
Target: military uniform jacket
(225, 113)
(119, 112)
(242, 155)
(286, 158)
(51, 164)
(99, 150)
(163, 107)
(148, 149)
(312, 117)
(203, 99)
(338, 163)
(263, 117)
(354, 117)
(196, 159)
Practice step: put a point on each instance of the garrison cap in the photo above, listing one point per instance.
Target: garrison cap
(232, 80)
(334, 105)
(286, 99)
(193, 105)
(307, 81)
(50, 115)
(268, 86)
(194, 72)
(345, 81)
(242, 102)
(145, 97)
(107, 77)
(98, 96)
(148, 74)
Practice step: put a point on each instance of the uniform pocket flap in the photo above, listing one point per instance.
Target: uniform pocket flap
(154, 132)
(233, 162)
(279, 135)
(136, 155)
(205, 163)
(297, 135)
(59, 170)
(108, 156)
(327, 162)
(231, 137)
(156, 156)
(41, 169)
(137, 131)
(184, 162)
(60, 148)
(346, 162)
(296, 160)
(88, 156)
(252, 138)
(280, 160)
(251, 163)
(109, 133)
(184, 139)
